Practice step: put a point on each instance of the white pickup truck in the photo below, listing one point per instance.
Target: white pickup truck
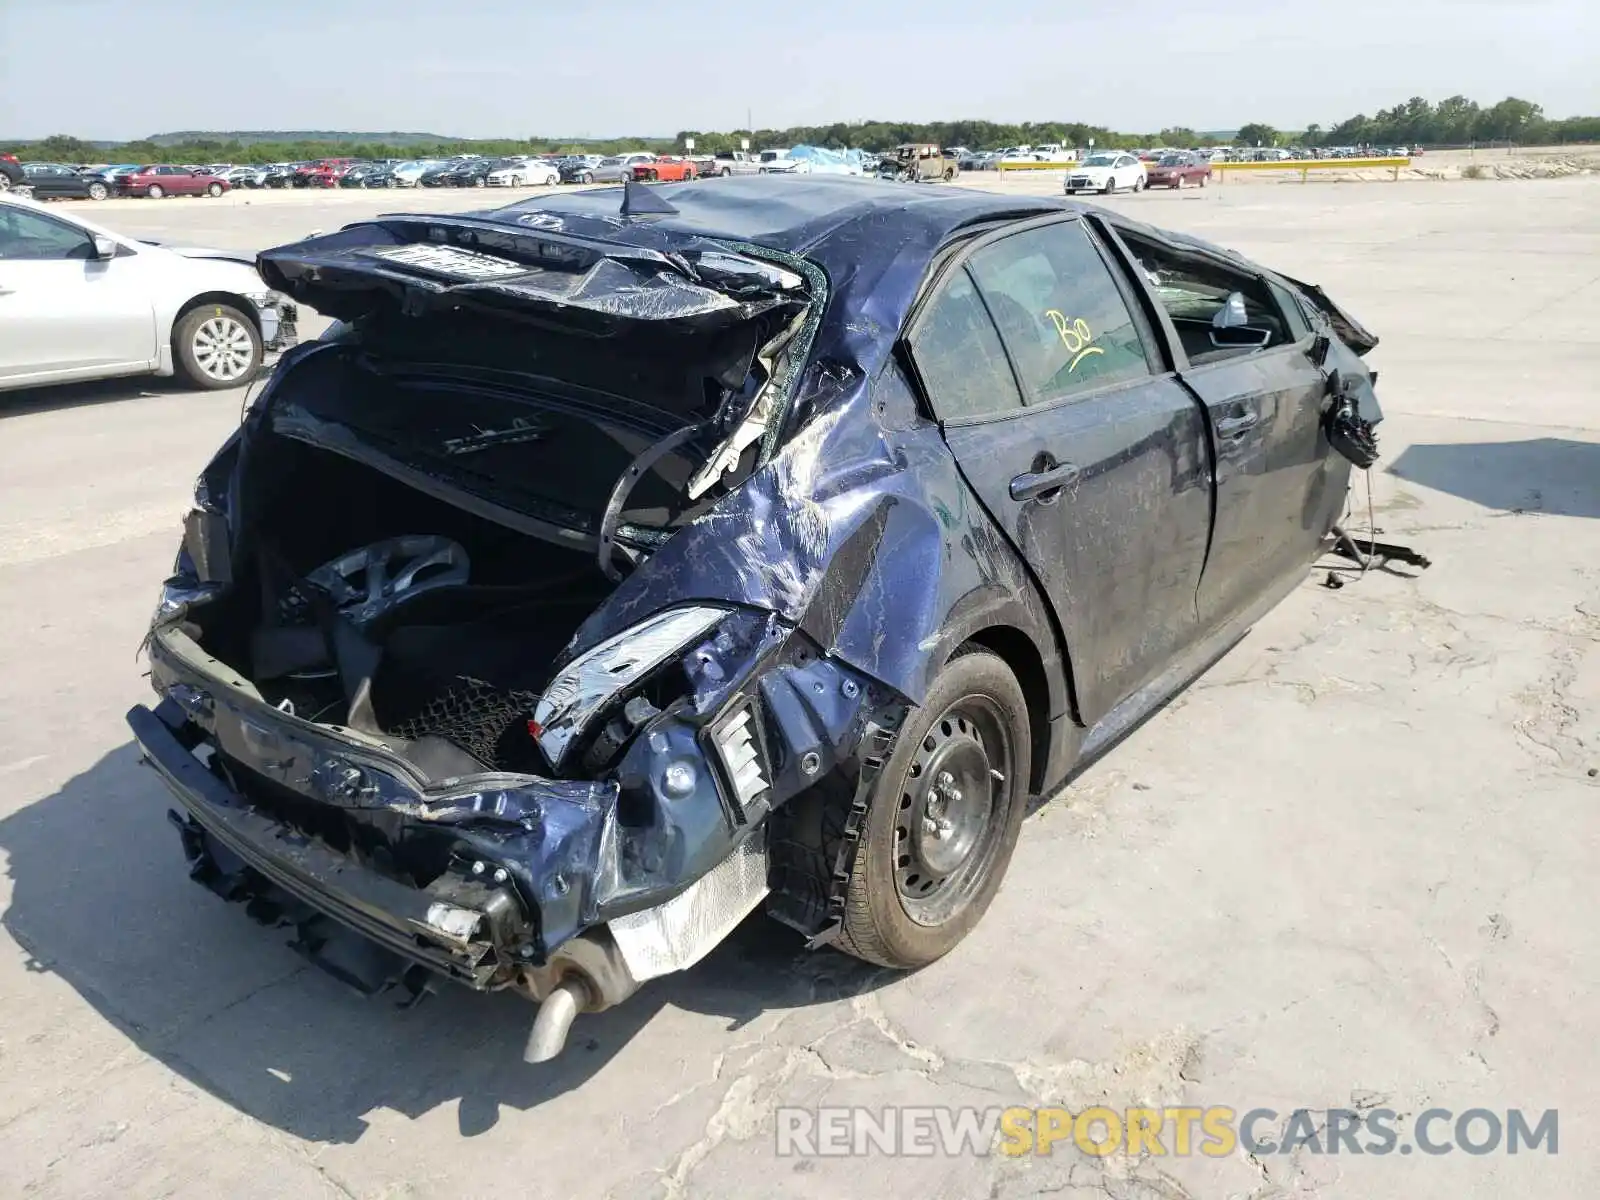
(736, 162)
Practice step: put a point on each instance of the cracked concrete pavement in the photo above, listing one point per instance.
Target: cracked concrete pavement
(1352, 866)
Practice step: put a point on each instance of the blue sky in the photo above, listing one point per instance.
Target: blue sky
(518, 67)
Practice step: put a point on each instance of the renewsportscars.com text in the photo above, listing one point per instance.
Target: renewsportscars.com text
(1215, 1132)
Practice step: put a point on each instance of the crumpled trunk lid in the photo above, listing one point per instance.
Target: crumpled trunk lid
(420, 263)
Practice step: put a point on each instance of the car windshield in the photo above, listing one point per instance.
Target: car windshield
(1100, 160)
(1172, 160)
(610, 162)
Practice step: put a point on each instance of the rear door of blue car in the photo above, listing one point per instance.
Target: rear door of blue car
(1277, 488)
(1059, 403)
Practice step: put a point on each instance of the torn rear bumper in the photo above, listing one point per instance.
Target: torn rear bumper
(475, 939)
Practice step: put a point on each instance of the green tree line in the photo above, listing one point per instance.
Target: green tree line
(1456, 121)
(1453, 122)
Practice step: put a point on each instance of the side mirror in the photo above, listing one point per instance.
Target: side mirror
(104, 247)
(1320, 346)
(1232, 314)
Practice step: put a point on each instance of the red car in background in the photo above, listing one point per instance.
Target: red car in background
(324, 172)
(11, 173)
(1179, 170)
(667, 168)
(157, 181)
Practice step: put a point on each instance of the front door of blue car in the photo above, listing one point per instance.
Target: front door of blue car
(1277, 488)
(1060, 405)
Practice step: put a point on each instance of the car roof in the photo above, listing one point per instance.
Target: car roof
(874, 240)
(798, 215)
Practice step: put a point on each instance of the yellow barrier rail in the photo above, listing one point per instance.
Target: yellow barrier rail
(1306, 165)
(1065, 164)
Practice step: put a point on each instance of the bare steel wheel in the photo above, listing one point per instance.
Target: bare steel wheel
(944, 819)
(217, 346)
(944, 828)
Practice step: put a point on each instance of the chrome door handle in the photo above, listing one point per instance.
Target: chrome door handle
(1234, 426)
(1043, 485)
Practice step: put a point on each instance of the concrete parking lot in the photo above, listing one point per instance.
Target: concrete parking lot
(1352, 867)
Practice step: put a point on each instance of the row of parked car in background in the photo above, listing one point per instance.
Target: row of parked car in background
(99, 181)
(1103, 170)
(59, 181)
(991, 160)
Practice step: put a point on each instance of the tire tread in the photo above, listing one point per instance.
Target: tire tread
(861, 935)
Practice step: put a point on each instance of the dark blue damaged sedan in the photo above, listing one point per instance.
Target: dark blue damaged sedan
(624, 561)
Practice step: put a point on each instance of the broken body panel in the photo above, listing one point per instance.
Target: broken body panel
(680, 443)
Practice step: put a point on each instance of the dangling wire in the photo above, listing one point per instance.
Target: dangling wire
(246, 400)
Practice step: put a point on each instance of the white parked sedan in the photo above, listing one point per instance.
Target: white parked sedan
(524, 171)
(407, 174)
(1107, 171)
(80, 302)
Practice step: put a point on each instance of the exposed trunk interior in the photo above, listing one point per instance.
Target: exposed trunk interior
(460, 661)
(540, 448)
(417, 512)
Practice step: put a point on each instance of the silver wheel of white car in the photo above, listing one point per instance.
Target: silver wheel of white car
(217, 347)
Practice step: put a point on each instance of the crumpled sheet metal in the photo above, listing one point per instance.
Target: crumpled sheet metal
(860, 531)
(538, 273)
(858, 526)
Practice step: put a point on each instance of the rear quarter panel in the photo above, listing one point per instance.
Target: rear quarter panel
(861, 531)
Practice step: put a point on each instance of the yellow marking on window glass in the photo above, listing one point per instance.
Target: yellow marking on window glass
(1075, 336)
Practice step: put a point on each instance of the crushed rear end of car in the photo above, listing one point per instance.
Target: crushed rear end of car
(410, 704)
